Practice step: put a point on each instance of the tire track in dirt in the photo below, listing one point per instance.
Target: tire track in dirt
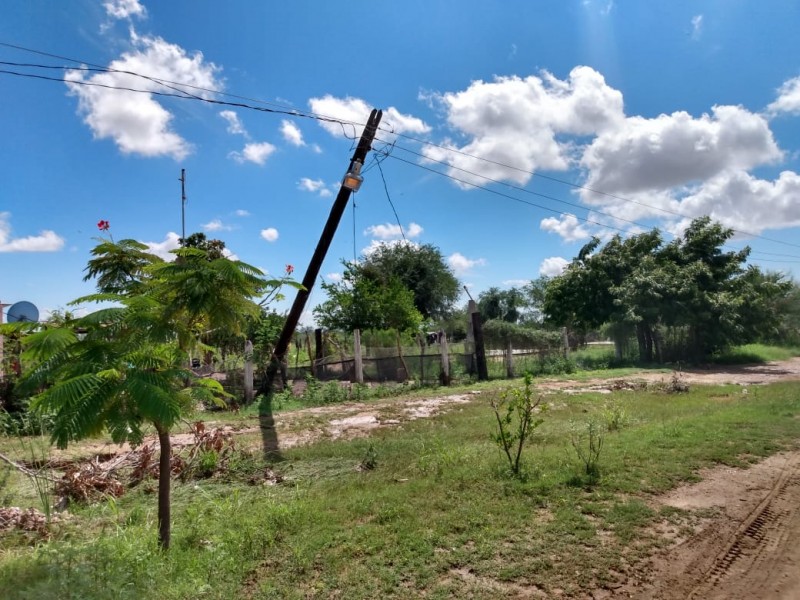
(748, 563)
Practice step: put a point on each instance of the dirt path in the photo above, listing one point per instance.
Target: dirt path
(749, 549)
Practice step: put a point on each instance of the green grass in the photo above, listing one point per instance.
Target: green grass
(755, 353)
(438, 516)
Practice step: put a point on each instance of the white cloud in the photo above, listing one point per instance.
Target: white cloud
(355, 112)
(216, 225)
(242, 213)
(162, 249)
(291, 133)
(568, 227)
(124, 9)
(697, 26)
(255, 152)
(46, 241)
(743, 202)
(462, 265)
(234, 123)
(377, 244)
(335, 277)
(135, 121)
(270, 234)
(674, 150)
(516, 282)
(788, 100)
(389, 231)
(553, 266)
(515, 121)
(315, 186)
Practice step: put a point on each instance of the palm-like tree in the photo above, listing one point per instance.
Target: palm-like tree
(129, 367)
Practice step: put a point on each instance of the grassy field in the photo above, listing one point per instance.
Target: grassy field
(437, 515)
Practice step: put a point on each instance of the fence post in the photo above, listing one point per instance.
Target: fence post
(480, 349)
(248, 372)
(509, 360)
(317, 360)
(421, 338)
(445, 358)
(565, 340)
(358, 362)
(469, 343)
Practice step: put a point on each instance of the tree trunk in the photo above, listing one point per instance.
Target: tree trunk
(164, 478)
(642, 344)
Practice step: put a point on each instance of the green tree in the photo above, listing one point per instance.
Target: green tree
(421, 269)
(129, 367)
(504, 305)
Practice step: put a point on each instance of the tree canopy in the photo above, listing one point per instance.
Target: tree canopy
(420, 269)
(702, 297)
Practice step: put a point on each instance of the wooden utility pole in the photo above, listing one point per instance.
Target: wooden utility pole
(315, 264)
(183, 205)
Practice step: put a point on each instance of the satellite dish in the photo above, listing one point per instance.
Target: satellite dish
(23, 312)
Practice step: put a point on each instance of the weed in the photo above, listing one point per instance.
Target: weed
(587, 440)
(370, 460)
(615, 415)
(517, 423)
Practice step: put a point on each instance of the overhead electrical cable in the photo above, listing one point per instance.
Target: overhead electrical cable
(562, 181)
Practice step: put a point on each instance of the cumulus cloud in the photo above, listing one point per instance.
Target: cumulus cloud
(315, 186)
(788, 100)
(355, 111)
(677, 149)
(124, 9)
(335, 277)
(46, 241)
(390, 231)
(269, 234)
(234, 123)
(553, 266)
(216, 225)
(377, 244)
(744, 202)
(516, 282)
(242, 213)
(462, 265)
(162, 249)
(568, 227)
(136, 122)
(291, 133)
(255, 152)
(515, 121)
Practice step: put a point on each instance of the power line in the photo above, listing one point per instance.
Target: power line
(562, 181)
(289, 111)
(540, 206)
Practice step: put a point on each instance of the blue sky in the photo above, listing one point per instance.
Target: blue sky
(573, 118)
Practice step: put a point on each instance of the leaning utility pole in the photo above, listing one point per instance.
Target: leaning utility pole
(183, 205)
(364, 146)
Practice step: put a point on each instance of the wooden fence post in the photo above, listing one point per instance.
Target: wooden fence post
(445, 358)
(248, 372)
(480, 349)
(421, 338)
(317, 364)
(565, 340)
(359, 363)
(509, 360)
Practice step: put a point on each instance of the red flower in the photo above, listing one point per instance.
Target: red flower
(289, 269)
(103, 225)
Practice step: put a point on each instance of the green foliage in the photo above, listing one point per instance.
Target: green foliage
(501, 305)
(684, 300)
(514, 410)
(362, 302)
(498, 333)
(421, 269)
(587, 440)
